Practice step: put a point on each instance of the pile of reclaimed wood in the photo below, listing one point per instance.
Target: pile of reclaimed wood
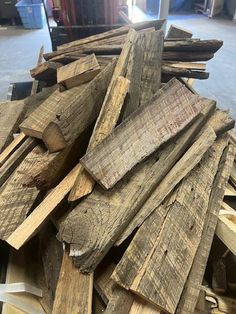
(126, 165)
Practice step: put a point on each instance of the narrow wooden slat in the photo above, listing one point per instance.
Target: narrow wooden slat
(74, 290)
(191, 291)
(106, 121)
(11, 114)
(78, 72)
(116, 207)
(33, 222)
(182, 72)
(35, 83)
(171, 236)
(128, 144)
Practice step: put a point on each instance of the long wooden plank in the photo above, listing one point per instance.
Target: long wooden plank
(191, 291)
(16, 199)
(11, 113)
(220, 123)
(194, 45)
(37, 121)
(171, 236)
(141, 134)
(106, 121)
(182, 72)
(152, 44)
(174, 176)
(33, 222)
(78, 72)
(74, 290)
(116, 207)
(79, 113)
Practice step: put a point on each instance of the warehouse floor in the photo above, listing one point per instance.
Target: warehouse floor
(19, 50)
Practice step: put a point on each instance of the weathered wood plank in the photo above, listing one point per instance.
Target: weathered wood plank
(46, 71)
(168, 71)
(189, 160)
(33, 222)
(11, 113)
(74, 290)
(77, 72)
(106, 122)
(192, 288)
(35, 83)
(152, 44)
(78, 113)
(178, 32)
(128, 144)
(16, 199)
(116, 207)
(158, 270)
(120, 302)
(195, 45)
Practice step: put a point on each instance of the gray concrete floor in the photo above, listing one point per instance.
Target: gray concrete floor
(19, 50)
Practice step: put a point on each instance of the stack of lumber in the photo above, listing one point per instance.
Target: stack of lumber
(116, 178)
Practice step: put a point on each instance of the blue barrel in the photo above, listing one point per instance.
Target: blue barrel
(31, 13)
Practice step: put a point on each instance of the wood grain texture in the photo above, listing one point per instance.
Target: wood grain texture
(33, 222)
(222, 122)
(78, 113)
(38, 120)
(178, 32)
(74, 290)
(78, 72)
(120, 302)
(158, 270)
(11, 114)
(141, 134)
(107, 213)
(106, 122)
(16, 199)
(195, 45)
(180, 170)
(46, 71)
(191, 291)
(168, 72)
(152, 44)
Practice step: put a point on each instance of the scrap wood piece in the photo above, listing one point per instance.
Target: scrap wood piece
(180, 170)
(171, 236)
(78, 113)
(152, 44)
(16, 200)
(120, 301)
(182, 72)
(34, 221)
(15, 158)
(226, 229)
(224, 303)
(178, 32)
(185, 56)
(37, 121)
(11, 114)
(191, 291)
(112, 33)
(108, 115)
(186, 65)
(221, 123)
(127, 145)
(116, 207)
(11, 148)
(103, 283)
(230, 191)
(195, 45)
(74, 290)
(35, 83)
(46, 71)
(78, 72)
(106, 121)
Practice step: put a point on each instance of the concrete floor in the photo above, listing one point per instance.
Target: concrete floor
(19, 50)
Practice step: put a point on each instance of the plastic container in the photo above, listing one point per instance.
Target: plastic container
(31, 13)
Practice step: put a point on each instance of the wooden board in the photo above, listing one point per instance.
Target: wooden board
(178, 32)
(106, 122)
(128, 144)
(16, 200)
(118, 206)
(191, 291)
(78, 113)
(46, 71)
(11, 113)
(33, 222)
(78, 72)
(194, 45)
(179, 171)
(168, 71)
(120, 302)
(171, 236)
(74, 290)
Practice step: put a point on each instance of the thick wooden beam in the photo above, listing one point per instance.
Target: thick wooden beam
(114, 153)
(171, 236)
(74, 290)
